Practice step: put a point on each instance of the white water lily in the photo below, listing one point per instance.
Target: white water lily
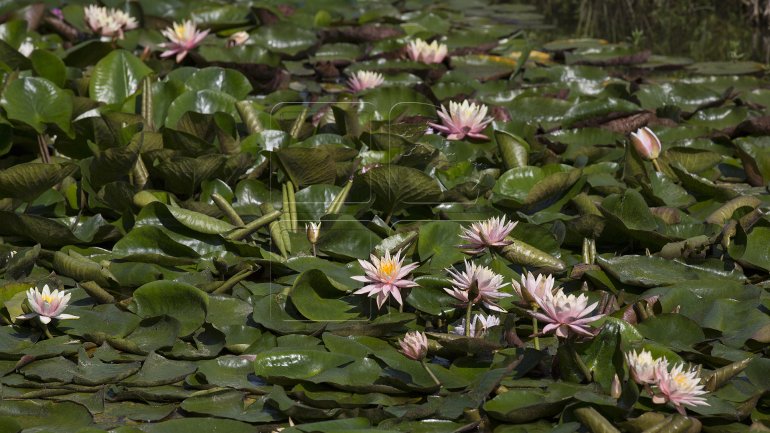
(479, 325)
(47, 305)
(642, 366)
(109, 23)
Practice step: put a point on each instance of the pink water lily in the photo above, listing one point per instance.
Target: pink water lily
(462, 119)
(679, 387)
(566, 314)
(532, 288)
(183, 38)
(386, 276)
(363, 80)
(477, 284)
(46, 305)
(414, 345)
(421, 51)
(486, 234)
(646, 143)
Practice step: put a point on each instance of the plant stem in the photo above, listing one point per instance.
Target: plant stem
(656, 165)
(578, 360)
(432, 376)
(43, 148)
(46, 331)
(468, 319)
(535, 331)
(315, 250)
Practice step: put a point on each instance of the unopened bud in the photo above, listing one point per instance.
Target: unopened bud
(646, 143)
(313, 231)
(615, 389)
(237, 39)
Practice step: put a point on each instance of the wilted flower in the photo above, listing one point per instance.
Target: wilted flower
(47, 305)
(488, 233)
(462, 119)
(532, 288)
(363, 80)
(477, 283)
(109, 23)
(414, 345)
(479, 325)
(565, 313)
(237, 38)
(386, 277)
(421, 51)
(368, 167)
(313, 230)
(679, 386)
(642, 366)
(646, 143)
(184, 37)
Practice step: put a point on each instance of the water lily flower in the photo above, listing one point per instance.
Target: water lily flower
(646, 143)
(414, 345)
(479, 325)
(532, 288)
(47, 305)
(642, 366)
(421, 51)
(109, 23)
(183, 38)
(477, 284)
(363, 80)
(566, 314)
(486, 234)
(237, 39)
(386, 277)
(462, 119)
(678, 387)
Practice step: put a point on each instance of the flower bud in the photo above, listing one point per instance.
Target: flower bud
(414, 345)
(646, 143)
(313, 231)
(238, 38)
(616, 389)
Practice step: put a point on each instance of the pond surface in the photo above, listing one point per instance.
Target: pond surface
(701, 30)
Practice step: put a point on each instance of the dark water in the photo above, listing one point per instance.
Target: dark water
(700, 29)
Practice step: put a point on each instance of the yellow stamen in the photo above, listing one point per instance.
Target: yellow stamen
(388, 267)
(47, 298)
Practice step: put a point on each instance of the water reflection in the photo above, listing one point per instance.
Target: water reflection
(699, 29)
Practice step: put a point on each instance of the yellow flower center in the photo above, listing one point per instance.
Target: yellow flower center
(388, 267)
(680, 379)
(181, 31)
(47, 299)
